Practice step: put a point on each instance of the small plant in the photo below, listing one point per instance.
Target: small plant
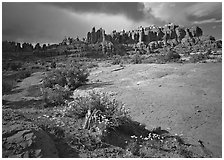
(92, 65)
(7, 85)
(116, 60)
(53, 64)
(56, 95)
(73, 76)
(15, 66)
(198, 57)
(136, 59)
(172, 56)
(23, 74)
(58, 83)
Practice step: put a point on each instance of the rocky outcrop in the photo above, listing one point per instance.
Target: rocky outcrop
(23, 139)
(95, 36)
(180, 32)
(171, 34)
(196, 31)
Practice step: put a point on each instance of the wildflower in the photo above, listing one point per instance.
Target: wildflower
(134, 136)
(146, 138)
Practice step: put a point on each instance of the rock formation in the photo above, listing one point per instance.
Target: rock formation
(24, 139)
(169, 34)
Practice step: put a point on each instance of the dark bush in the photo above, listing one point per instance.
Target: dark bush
(15, 66)
(53, 64)
(136, 59)
(116, 60)
(7, 85)
(54, 77)
(172, 56)
(198, 57)
(23, 74)
(72, 76)
(56, 95)
(92, 65)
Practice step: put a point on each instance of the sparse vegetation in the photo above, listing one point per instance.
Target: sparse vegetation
(7, 85)
(116, 60)
(58, 83)
(92, 65)
(97, 108)
(72, 76)
(15, 66)
(198, 57)
(136, 59)
(55, 96)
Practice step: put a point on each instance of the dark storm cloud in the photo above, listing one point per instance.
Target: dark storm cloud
(132, 10)
(34, 22)
(50, 22)
(214, 12)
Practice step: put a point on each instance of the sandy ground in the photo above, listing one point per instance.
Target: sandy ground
(181, 98)
(21, 91)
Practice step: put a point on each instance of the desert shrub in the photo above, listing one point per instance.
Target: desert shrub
(198, 57)
(54, 77)
(15, 65)
(136, 59)
(97, 108)
(23, 74)
(149, 60)
(53, 64)
(56, 95)
(116, 60)
(172, 56)
(72, 76)
(58, 83)
(92, 65)
(7, 85)
(208, 52)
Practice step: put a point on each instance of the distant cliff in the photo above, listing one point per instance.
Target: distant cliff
(146, 35)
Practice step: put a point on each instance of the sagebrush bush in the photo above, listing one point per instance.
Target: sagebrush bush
(116, 60)
(136, 59)
(197, 57)
(54, 77)
(72, 76)
(92, 65)
(56, 95)
(172, 56)
(100, 107)
(15, 65)
(7, 85)
(58, 83)
(23, 74)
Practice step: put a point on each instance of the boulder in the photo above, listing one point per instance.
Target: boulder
(23, 139)
(196, 31)
(180, 32)
(152, 45)
(219, 43)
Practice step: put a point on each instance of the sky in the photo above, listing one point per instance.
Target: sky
(50, 22)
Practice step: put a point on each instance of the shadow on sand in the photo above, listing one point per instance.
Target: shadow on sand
(95, 85)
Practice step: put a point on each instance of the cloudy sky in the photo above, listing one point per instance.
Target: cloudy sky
(51, 22)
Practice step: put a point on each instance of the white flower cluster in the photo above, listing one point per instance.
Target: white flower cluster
(151, 136)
